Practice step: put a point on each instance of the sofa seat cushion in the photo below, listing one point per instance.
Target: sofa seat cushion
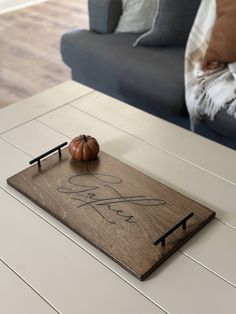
(151, 79)
(223, 124)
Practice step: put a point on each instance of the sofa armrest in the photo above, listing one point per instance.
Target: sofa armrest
(104, 15)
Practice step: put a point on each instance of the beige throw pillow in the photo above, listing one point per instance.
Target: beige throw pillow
(222, 45)
(137, 16)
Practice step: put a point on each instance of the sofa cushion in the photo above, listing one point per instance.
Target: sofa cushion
(223, 124)
(149, 78)
(137, 15)
(172, 24)
(104, 15)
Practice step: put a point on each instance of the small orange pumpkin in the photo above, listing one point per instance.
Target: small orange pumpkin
(83, 148)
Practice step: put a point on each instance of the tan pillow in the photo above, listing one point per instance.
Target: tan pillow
(222, 45)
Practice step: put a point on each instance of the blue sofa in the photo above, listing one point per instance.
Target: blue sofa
(150, 78)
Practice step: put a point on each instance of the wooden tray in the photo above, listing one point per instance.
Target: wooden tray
(114, 207)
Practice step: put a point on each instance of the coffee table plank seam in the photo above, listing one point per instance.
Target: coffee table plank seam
(18, 297)
(15, 146)
(48, 127)
(55, 129)
(157, 147)
(97, 259)
(169, 136)
(29, 285)
(207, 268)
(41, 114)
(58, 131)
(113, 271)
(79, 246)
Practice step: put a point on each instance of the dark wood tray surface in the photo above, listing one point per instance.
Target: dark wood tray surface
(116, 208)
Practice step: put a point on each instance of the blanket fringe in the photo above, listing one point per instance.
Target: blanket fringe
(207, 92)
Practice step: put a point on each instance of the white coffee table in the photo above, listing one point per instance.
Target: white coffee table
(46, 268)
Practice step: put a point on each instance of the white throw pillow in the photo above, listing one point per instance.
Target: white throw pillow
(137, 16)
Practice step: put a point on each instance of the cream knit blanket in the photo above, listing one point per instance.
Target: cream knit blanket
(207, 92)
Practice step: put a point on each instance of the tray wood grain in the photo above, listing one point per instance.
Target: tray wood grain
(118, 209)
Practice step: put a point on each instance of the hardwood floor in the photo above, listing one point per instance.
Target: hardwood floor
(9, 5)
(30, 59)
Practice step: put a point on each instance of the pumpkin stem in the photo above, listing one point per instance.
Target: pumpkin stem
(84, 138)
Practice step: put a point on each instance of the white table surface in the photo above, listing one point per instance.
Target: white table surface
(46, 268)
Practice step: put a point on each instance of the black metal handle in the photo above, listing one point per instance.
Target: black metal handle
(37, 159)
(182, 223)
